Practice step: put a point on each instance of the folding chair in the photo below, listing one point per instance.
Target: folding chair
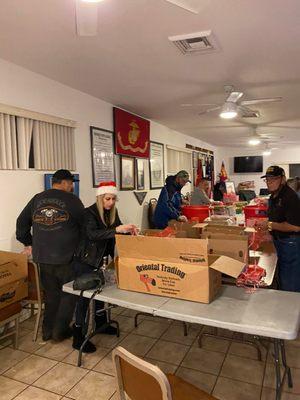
(138, 379)
(9, 314)
(34, 301)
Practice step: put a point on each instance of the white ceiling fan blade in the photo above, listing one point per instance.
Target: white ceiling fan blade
(234, 96)
(192, 6)
(209, 110)
(248, 113)
(198, 104)
(86, 18)
(260, 101)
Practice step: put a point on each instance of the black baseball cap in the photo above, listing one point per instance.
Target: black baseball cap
(274, 170)
(184, 175)
(64, 174)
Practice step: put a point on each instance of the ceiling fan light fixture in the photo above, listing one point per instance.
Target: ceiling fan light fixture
(254, 141)
(229, 111)
(91, 1)
(267, 152)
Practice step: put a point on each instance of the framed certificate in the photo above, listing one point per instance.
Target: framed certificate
(140, 174)
(127, 173)
(156, 165)
(102, 148)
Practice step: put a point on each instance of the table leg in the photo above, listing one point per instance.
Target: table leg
(277, 369)
(85, 330)
(287, 368)
(112, 321)
(94, 330)
(185, 325)
(185, 329)
(279, 348)
(136, 318)
(216, 336)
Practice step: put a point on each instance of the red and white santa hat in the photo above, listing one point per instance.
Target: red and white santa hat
(107, 188)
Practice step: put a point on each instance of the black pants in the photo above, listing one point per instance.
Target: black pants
(83, 302)
(59, 306)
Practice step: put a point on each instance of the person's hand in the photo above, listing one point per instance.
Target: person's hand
(182, 218)
(129, 228)
(27, 251)
(261, 225)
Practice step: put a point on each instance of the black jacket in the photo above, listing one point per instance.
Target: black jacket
(55, 217)
(98, 240)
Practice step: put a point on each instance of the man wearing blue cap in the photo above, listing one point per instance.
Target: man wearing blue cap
(169, 201)
(49, 227)
(284, 225)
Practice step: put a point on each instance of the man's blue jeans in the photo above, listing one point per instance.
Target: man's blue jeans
(288, 253)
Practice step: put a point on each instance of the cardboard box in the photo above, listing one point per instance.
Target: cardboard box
(13, 278)
(222, 241)
(173, 267)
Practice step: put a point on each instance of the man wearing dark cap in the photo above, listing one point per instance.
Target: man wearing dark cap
(284, 225)
(169, 201)
(49, 227)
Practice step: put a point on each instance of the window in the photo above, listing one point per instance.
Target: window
(35, 143)
(177, 160)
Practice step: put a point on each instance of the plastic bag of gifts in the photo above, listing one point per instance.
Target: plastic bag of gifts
(251, 277)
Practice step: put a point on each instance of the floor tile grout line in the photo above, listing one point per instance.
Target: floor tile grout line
(28, 355)
(221, 367)
(59, 394)
(112, 395)
(190, 347)
(32, 383)
(96, 372)
(264, 374)
(91, 371)
(157, 339)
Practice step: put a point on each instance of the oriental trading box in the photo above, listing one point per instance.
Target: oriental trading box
(173, 267)
(13, 278)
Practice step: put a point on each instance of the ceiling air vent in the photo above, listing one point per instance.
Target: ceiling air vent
(199, 42)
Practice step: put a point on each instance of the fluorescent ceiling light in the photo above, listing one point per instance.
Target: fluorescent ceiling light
(91, 1)
(254, 141)
(229, 110)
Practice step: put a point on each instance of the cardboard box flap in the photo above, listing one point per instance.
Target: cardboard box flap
(228, 266)
(200, 225)
(177, 250)
(237, 249)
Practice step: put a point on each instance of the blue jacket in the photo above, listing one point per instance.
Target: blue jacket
(168, 204)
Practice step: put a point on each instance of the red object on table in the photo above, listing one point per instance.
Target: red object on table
(167, 232)
(257, 211)
(193, 212)
(251, 276)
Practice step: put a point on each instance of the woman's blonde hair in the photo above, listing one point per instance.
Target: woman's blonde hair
(112, 211)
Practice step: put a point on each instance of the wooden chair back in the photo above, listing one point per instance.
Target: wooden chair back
(139, 379)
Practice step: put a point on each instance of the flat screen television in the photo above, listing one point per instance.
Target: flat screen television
(248, 164)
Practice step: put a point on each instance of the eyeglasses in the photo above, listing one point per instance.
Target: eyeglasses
(272, 179)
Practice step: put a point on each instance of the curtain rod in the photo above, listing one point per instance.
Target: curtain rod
(22, 112)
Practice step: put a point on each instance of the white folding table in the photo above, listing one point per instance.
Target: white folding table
(269, 313)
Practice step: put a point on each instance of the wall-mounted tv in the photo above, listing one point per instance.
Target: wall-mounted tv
(248, 164)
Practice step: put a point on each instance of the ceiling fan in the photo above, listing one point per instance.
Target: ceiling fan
(233, 106)
(266, 138)
(87, 13)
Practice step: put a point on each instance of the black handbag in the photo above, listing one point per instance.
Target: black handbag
(89, 280)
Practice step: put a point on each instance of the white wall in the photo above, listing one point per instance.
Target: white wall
(23, 88)
(283, 155)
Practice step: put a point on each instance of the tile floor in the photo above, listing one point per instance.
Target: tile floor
(228, 370)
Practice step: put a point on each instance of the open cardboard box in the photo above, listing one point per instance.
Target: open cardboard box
(13, 278)
(173, 267)
(222, 241)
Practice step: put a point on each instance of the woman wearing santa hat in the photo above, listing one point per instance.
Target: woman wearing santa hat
(101, 224)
